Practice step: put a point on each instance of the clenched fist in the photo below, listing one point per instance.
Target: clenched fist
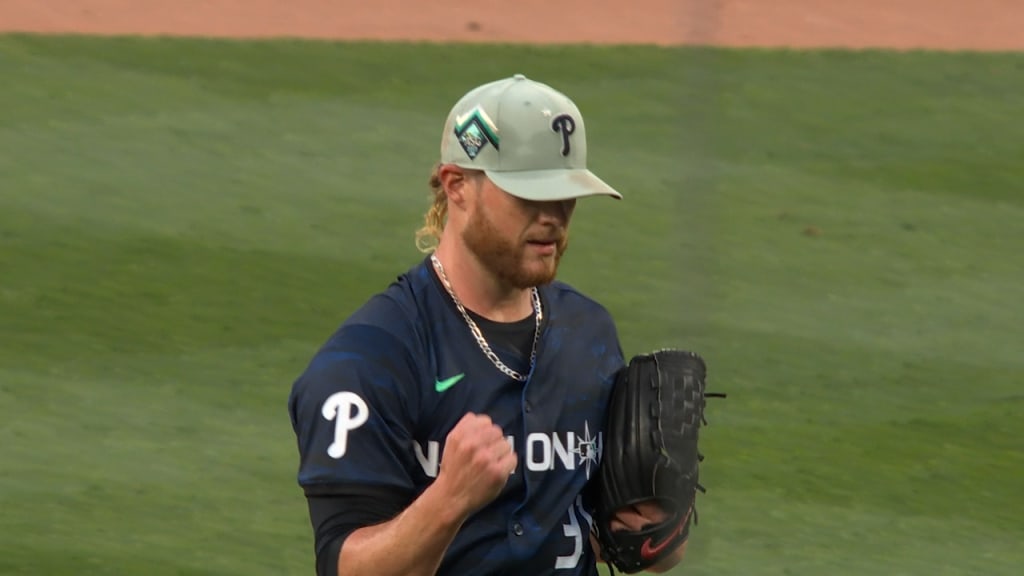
(476, 463)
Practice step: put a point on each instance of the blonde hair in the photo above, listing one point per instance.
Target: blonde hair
(428, 236)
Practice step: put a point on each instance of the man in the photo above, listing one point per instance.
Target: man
(452, 423)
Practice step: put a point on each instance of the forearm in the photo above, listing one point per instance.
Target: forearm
(413, 543)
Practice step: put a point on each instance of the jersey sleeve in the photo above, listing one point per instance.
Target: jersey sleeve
(353, 415)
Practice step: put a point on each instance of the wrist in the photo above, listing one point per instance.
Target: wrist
(446, 508)
(669, 562)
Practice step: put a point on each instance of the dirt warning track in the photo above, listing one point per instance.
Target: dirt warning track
(901, 24)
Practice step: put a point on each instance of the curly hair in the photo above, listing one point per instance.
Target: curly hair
(428, 236)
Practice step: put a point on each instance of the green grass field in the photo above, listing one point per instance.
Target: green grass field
(182, 223)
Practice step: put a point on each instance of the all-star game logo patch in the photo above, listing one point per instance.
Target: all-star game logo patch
(474, 130)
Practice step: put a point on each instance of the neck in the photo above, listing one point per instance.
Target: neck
(481, 291)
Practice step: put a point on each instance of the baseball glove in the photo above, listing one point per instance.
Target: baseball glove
(650, 454)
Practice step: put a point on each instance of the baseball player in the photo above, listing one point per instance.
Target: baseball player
(452, 424)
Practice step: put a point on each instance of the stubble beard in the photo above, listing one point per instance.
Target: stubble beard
(508, 259)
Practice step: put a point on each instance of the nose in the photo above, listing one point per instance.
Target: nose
(559, 211)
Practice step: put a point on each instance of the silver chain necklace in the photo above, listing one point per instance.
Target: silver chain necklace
(538, 315)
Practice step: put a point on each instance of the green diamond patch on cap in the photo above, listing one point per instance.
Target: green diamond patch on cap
(529, 139)
(474, 131)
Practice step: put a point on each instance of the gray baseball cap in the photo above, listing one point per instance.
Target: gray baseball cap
(527, 137)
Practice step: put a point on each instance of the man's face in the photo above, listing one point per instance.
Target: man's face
(520, 241)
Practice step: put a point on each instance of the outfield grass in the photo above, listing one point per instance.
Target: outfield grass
(183, 222)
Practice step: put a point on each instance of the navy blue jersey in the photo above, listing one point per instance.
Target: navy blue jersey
(375, 404)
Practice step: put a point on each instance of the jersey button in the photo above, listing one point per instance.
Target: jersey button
(528, 407)
(517, 529)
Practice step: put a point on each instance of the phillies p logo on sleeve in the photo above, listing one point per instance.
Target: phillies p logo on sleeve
(348, 411)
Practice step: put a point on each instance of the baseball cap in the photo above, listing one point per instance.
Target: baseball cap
(526, 136)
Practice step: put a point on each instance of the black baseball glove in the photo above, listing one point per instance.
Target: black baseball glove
(650, 454)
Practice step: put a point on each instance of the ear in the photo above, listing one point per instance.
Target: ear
(457, 184)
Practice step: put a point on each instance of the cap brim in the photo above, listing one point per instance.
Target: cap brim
(552, 185)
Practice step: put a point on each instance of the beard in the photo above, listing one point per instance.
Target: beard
(507, 258)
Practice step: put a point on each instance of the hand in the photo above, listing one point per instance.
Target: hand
(476, 463)
(638, 516)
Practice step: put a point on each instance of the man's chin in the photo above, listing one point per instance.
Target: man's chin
(538, 273)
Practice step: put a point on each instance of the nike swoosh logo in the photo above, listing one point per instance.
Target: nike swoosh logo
(442, 385)
(649, 551)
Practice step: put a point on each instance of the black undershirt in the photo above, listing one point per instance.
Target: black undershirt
(517, 336)
(512, 336)
(334, 516)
